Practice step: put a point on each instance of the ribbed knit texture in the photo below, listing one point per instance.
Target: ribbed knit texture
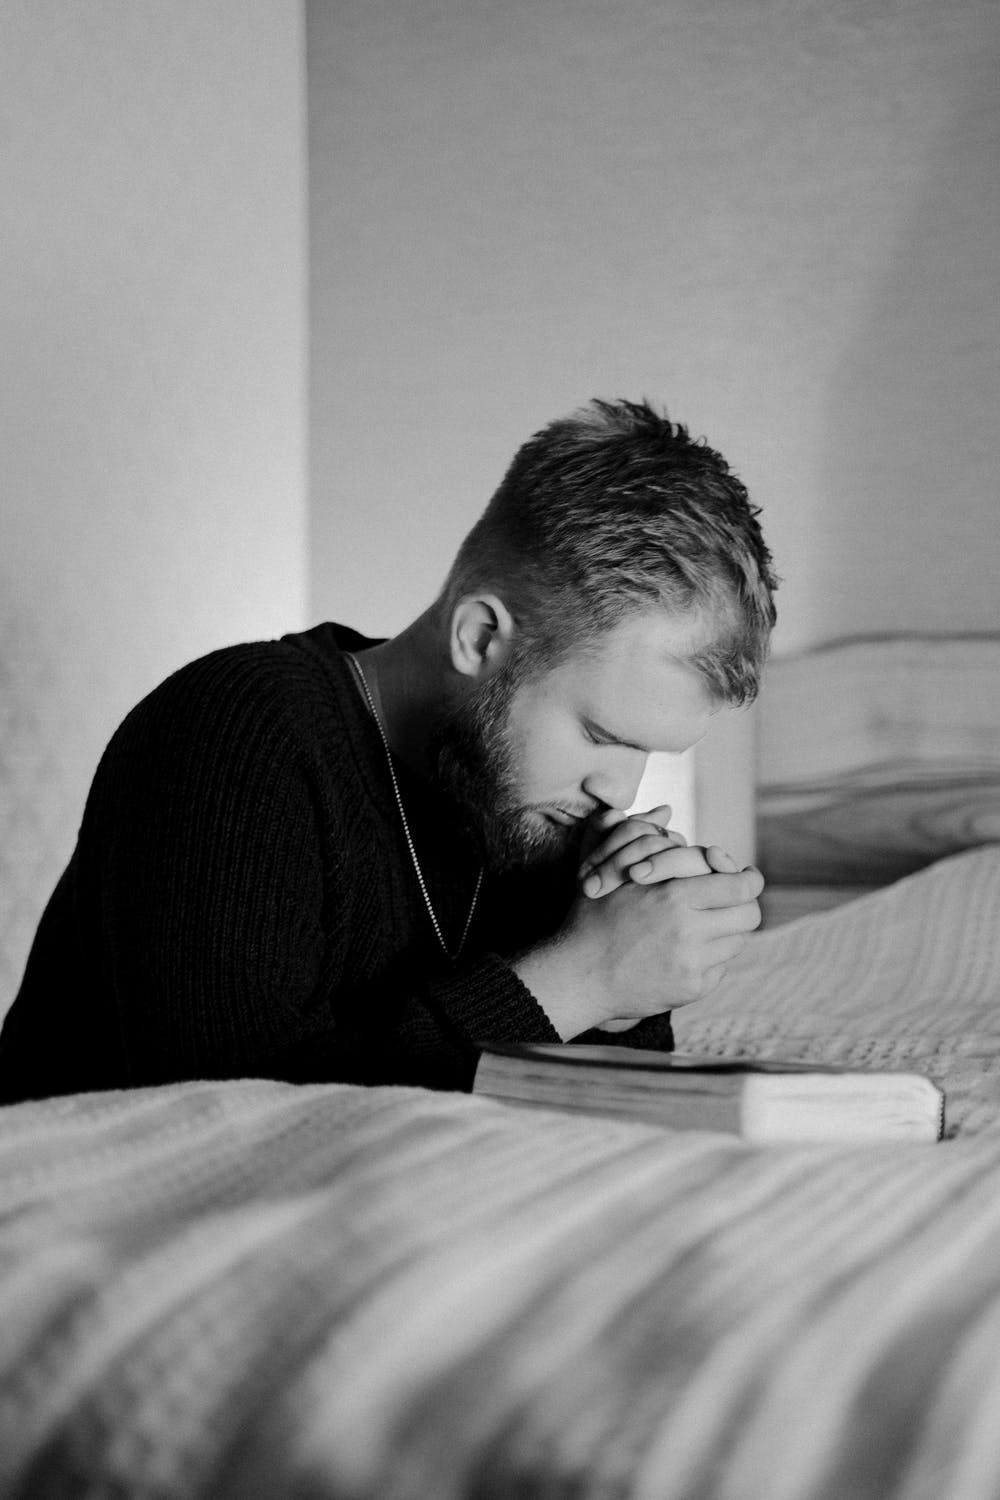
(241, 901)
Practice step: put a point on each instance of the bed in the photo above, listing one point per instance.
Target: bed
(875, 756)
(250, 1289)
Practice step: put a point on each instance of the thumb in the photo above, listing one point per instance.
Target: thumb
(721, 862)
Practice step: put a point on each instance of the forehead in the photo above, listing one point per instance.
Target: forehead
(636, 682)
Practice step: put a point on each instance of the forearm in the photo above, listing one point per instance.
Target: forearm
(483, 1001)
(428, 1034)
(563, 990)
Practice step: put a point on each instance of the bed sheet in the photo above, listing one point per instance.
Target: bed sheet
(252, 1289)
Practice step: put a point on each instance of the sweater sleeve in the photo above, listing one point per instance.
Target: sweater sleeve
(443, 1024)
(487, 1002)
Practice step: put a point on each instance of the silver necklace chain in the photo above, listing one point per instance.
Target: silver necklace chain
(406, 827)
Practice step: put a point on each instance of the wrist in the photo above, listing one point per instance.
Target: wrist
(564, 995)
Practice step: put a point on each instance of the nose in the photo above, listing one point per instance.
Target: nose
(617, 782)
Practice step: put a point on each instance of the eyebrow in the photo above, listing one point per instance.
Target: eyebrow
(613, 739)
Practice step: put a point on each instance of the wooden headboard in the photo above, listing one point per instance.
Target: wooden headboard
(876, 756)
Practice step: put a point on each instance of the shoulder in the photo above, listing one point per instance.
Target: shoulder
(270, 698)
(276, 723)
(259, 677)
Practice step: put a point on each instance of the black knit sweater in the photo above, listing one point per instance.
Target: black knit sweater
(241, 900)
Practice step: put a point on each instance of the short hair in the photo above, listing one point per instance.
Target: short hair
(612, 509)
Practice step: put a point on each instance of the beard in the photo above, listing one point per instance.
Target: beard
(475, 763)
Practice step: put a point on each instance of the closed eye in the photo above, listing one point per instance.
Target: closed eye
(598, 736)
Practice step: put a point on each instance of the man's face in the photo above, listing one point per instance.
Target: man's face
(530, 758)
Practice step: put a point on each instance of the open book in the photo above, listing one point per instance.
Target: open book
(762, 1100)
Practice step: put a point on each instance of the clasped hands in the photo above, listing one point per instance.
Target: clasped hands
(643, 848)
(654, 927)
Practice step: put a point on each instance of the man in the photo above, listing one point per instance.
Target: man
(330, 857)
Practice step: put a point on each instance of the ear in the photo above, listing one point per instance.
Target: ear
(482, 635)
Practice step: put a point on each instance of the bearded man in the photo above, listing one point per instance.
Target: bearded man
(331, 857)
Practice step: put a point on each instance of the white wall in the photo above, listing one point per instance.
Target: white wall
(778, 218)
(152, 400)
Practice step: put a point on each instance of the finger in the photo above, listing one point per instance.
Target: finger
(646, 859)
(714, 890)
(749, 916)
(674, 834)
(720, 861)
(621, 1024)
(658, 816)
(723, 921)
(626, 829)
(682, 862)
(620, 838)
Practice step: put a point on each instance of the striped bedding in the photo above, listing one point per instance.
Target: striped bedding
(255, 1290)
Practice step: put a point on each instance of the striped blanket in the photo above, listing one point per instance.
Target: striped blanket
(256, 1290)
